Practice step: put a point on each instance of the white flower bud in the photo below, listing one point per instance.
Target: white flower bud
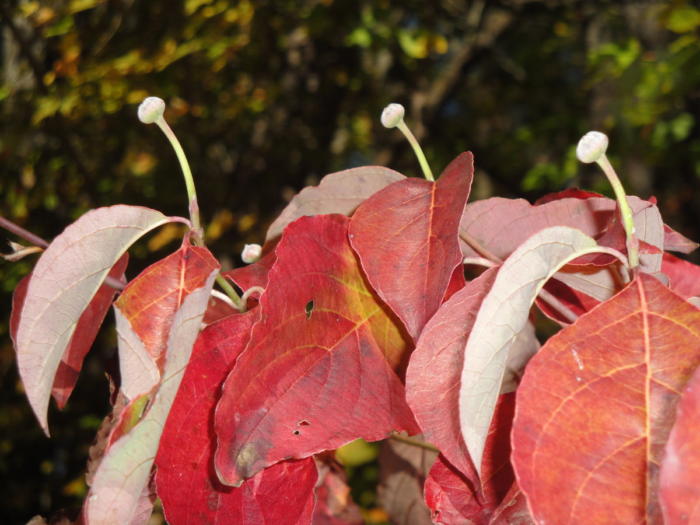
(251, 253)
(392, 115)
(151, 109)
(592, 146)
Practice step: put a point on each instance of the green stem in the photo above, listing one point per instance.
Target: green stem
(228, 289)
(427, 173)
(189, 181)
(625, 210)
(198, 236)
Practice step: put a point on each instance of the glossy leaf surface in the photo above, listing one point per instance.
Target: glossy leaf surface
(339, 192)
(318, 370)
(63, 284)
(125, 468)
(149, 301)
(407, 239)
(596, 405)
(185, 476)
(680, 470)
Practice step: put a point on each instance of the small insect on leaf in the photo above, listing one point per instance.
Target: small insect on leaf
(309, 308)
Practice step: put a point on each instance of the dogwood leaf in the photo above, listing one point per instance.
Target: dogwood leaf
(125, 468)
(503, 314)
(65, 279)
(185, 477)
(146, 308)
(339, 192)
(318, 370)
(596, 405)
(85, 331)
(680, 469)
(406, 236)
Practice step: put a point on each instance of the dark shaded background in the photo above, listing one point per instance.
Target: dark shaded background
(268, 96)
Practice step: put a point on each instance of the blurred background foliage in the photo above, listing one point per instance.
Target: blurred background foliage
(269, 95)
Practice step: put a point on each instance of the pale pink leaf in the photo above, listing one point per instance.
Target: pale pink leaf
(137, 369)
(64, 281)
(596, 217)
(84, 334)
(502, 316)
(675, 242)
(126, 467)
(339, 192)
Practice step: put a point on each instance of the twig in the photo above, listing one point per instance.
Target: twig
(21, 232)
(478, 248)
(38, 241)
(414, 442)
(547, 297)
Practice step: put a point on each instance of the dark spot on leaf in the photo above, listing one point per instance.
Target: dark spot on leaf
(296, 432)
(303, 423)
(309, 308)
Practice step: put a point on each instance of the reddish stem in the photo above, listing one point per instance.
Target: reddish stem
(38, 241)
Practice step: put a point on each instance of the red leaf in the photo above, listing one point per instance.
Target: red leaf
(456, 496)
(513, 509)
(453, 501)
(125, 469)
(317, 372)
(217, 309)
(185, 478)
(596, 405)
(432, 378)
(150, 301)
(577, 302)
(484, 222)
(673, 241)
(569, 193)
(85, 331)
(406, 236)
(503, 315)
(451, 497)
(680, 471)
(684, 276)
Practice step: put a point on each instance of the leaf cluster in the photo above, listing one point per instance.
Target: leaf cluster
(384, 307)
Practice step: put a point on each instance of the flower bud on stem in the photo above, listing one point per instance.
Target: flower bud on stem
(592, 148)
(151, 112)
(392, 117)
